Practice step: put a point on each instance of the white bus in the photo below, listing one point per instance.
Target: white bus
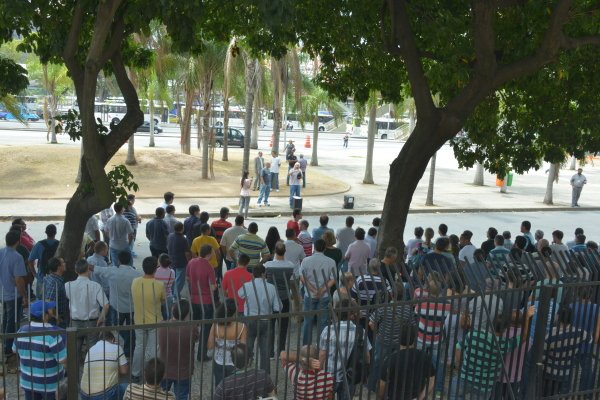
(292, 122)
(113, 112)
(387, 128)
(237, 115)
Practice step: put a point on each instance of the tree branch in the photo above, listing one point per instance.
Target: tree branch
(72, 44)
(572, 43)
(117, 35)
(106, 12)
(549, 48)
(404, 37)
(484, 38)
(134, 117)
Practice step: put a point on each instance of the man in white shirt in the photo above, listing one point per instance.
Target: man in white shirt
(358, 254)
(371, 240)
(345, 237)
(294, 252)
(86, 299)
(170, 218)
(557, 245)
(467, 249)
(229, 237)
(119, 232)
(92, 229)
(97, 262)
(577, 182)
(275, 165)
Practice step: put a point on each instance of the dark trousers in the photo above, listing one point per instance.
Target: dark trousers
(203, 312)
(303, 179)
(283, 328)
(12, 313)
(259, 330)
(127, 335)
(156, 252)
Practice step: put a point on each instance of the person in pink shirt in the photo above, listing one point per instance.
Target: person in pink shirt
(26, 240)
(166, 275)
(202, 282)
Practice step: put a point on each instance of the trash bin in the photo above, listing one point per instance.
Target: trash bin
(509, 180)
(348, 201)
(499, 181)
(297, 202)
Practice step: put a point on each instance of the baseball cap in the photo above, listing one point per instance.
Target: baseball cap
(38, 308)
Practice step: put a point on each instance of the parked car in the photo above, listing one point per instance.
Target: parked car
(235, 137)
(3, 115)
(25, 115)
(145, 127)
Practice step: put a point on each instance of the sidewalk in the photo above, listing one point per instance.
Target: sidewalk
(451, 194)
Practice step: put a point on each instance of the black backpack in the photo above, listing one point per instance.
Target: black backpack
(357, 370)
(47, 254)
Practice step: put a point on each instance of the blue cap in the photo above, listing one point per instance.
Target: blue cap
(38, 308)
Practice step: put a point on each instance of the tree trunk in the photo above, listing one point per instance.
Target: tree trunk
(151, 108)
(131, 151)
(251, 78)
(368, 179)
(429, 200)
(552, 177)
(186, 124)
(255, 120)
(225, 156)
(199, 126)
(573, 163)
(206, 125)
(405, 173)
(314, 160)
(478, 180)
(278, 97)
(78, 177)
(52, 111)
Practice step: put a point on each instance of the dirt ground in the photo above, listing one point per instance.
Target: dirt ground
(48, 172)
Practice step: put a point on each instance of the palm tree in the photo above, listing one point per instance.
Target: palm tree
(232, 77)
(312, 102)
(252, 72)
(372, 130)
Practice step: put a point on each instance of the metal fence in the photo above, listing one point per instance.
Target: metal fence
(510, 327)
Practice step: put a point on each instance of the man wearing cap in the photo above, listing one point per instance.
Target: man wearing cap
(12, 287)
(41, 357)
(86, 298)
(577, 182)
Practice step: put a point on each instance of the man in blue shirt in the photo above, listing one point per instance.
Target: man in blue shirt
(157, 232)
(43, 251)
(12, 288)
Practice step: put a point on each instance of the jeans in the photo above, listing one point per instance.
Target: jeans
(12, 312)
(30, 395)
(244, 204)
(156, 252)
(114, 256)
(39, 286)
(146, 348)
(166, 308)
(179, 280)
(294, 191)
(90, 339)
(203, 312)
(460, 389)
(588, 367)
(265, 191)
(229, 264)
(181, 388)
(221, 372)
(379, 353)
(323, 317)
(303, 179)
(275, 180)
(259, 329)
(438, 359)
(575, 196)
(283, 328)
(114, 393)
(342, 393)
(123, 319)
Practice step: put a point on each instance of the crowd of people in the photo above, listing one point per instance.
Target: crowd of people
(446, 318)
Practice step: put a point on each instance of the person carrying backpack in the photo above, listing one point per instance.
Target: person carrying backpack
(43, 251)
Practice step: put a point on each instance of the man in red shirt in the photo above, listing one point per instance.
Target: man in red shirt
(234, 279)
(221, 224)
(293, 223)
(202, 281)
(304, 370)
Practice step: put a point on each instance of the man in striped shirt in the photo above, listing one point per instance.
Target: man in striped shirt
(42, 357)
(304, 238)
(304, 371)
(480, 357)
(252, 245)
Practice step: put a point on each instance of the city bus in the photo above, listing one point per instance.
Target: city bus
(387, 128)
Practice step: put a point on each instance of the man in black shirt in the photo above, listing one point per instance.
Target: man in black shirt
(407, 373)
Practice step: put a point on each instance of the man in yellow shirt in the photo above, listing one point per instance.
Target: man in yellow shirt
(205, 238)
(148, 295)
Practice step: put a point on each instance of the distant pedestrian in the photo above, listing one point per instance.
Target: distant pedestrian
(245, 185)
(266, 177)
(259, 164)
(303, 164)
(577, 182)
(157, 232)
(275, 164)
(294, 175)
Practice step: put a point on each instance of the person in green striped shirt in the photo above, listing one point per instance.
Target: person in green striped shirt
(479, 358)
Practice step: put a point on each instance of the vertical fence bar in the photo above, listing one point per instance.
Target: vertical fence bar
(72, 364)
(537, 349)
